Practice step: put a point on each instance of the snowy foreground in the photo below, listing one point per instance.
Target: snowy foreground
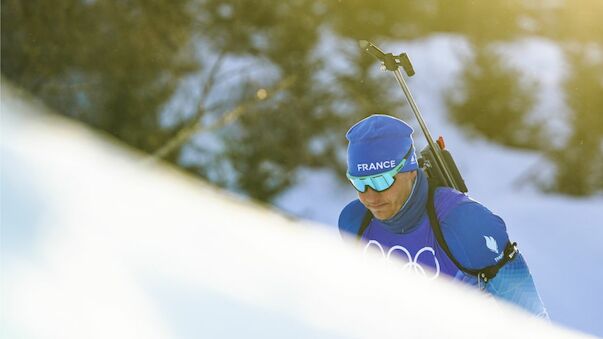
(96, 243)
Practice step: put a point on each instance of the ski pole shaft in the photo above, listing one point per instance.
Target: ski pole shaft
(435, 148)
(413, 106)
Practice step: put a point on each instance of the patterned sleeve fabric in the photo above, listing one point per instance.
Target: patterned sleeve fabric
(514, 284)
(477, 238)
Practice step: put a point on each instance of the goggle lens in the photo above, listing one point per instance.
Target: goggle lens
(378, 183)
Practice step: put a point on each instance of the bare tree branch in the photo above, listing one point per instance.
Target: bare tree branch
(227, 118)
(187, 131)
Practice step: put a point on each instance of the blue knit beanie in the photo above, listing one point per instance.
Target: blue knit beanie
(379, 143)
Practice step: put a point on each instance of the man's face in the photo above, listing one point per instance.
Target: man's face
(385, 204)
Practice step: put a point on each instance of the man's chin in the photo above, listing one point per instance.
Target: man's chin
(381, 214)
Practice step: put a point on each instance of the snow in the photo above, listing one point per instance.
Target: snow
(97, 243)
(560, 236)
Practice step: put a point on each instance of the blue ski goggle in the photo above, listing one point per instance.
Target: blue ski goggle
(378, 182)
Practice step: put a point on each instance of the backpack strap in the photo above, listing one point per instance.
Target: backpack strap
(366, 220)
(486, 273)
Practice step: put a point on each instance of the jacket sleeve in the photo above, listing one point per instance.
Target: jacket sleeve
(514, 284)
(477, 238)
(350, 219)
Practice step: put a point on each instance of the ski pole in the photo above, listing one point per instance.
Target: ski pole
(393, 63)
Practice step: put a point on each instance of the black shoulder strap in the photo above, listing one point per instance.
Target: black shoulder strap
(485, 273)
(366, 220)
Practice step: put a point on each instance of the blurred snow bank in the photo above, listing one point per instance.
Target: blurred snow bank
(96, 244)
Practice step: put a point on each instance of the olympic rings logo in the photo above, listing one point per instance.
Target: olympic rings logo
(412, 265)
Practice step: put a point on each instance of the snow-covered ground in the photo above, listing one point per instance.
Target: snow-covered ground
(97, 243)
(559, 236)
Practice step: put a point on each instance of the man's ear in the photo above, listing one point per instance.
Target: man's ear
(413, 174)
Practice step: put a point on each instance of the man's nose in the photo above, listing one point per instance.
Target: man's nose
(370, 194)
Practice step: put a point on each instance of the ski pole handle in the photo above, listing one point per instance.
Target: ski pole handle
(371, 49)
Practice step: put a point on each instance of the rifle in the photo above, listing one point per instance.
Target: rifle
(434, 159)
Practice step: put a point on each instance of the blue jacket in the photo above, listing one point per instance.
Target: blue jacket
(475, 236)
